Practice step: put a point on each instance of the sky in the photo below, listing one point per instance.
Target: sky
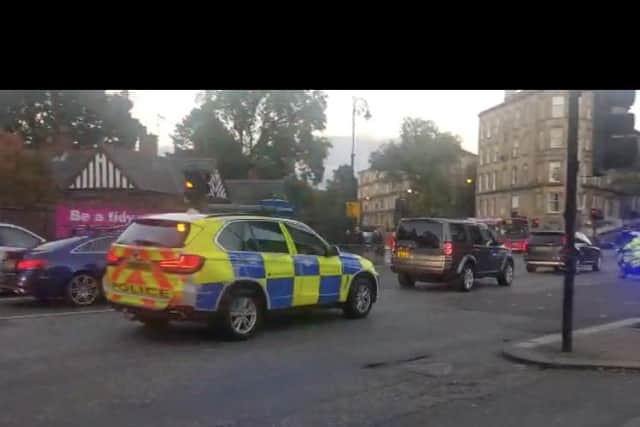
(455, 111)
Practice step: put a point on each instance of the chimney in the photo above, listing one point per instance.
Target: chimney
(149, 145)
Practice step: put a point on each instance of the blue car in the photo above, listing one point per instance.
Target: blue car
(68, 268)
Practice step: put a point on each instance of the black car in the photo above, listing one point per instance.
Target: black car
(455, 251)
(546, 249)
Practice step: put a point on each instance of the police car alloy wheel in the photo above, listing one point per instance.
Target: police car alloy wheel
(360, 299)
(241, 314)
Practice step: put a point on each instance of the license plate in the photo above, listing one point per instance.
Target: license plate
(402, 253)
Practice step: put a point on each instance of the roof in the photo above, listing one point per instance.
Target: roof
(144, 172)
(178, 217)
(513, 98)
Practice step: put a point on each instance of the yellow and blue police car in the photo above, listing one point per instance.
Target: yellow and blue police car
(230, 269)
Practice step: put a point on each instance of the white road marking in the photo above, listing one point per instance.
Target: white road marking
(64, 313)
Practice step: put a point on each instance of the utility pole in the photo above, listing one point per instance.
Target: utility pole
(570, 222)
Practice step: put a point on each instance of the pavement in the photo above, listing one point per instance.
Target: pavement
(424, 356)
(608, 346)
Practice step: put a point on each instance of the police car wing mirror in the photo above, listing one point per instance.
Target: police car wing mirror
(332, 251)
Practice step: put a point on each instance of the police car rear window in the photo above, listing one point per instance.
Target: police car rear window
(160, 233)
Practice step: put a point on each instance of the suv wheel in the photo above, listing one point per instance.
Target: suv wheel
(505, 277)
(406, 281)
(531, 268)
(466, 278)
(596, 265)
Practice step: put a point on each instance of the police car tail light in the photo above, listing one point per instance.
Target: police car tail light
(185, 264)
(31, 264)
(112, 258)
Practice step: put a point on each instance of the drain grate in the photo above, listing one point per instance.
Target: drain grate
(383, 364)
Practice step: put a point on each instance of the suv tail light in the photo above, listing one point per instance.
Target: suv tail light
(185, 264)
(112, 258)
(30, 264)
(448, 248)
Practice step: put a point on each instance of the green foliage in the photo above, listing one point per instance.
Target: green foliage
(270, 131)
(88, 117)
(323, 210)
(429, 159)
(25, 176)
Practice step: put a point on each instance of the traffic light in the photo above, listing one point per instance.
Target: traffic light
(615, 142)
(196, 186)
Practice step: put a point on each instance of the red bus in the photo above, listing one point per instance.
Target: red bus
(512, 232)
(515, 232)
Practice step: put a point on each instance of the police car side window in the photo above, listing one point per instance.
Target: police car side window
(306, 243)
(269, 237)
(237, 237)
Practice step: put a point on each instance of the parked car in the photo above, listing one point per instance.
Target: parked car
(546, 249)
(68, 268)
(456, 251)
(14, 238)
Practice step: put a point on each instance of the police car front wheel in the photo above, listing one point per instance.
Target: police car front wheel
(360, 299)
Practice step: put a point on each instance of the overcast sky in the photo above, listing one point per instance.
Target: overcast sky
(452, 110)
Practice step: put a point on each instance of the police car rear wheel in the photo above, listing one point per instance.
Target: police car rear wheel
(360, 299)
(241, 314)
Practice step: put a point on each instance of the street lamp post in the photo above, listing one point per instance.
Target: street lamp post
(359, 106)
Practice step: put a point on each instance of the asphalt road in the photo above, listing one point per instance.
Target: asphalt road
(427, 356)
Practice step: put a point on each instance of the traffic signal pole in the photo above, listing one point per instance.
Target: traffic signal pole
(570, 222)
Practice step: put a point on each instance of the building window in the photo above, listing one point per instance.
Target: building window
(541, 140)
(496, 154)
(494, 178)
(553, 205)
(555, 171)
(481, 157)
(608, 211)
(488, 129)
(516, 119)
(525, 173)
(514, 175)
(555, 138)
(515, 149)
(515, 202)
(492, 207)
(557, 107)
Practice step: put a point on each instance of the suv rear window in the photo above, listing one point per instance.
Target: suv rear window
(424, 233)
(546, 239)
(154, 232)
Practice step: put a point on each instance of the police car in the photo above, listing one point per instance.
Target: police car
(230, 269)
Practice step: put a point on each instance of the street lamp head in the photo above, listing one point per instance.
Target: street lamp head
(469, 181)
(409, 190)
(367, 115)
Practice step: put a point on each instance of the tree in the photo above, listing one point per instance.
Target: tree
(273, 132)
(430, 160)
(25, 175)
(87, 117)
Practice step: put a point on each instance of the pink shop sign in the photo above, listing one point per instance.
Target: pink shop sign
(72, 219)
